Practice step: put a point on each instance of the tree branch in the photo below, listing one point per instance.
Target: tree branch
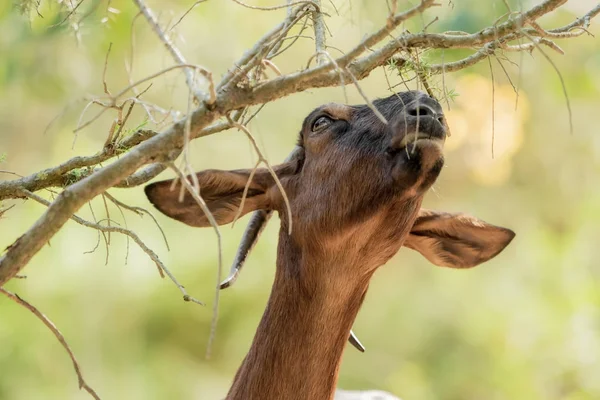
(178, 57)
(319, 28)
(147, 147)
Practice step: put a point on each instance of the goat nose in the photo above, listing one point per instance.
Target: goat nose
(421, 110)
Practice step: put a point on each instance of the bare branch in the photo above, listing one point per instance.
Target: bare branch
(277, 50)
(140, 211)
(59, 336)
(313, 3)
(253, 56)
(177, 56)
(147, 147)
(62, 175)
(393, 22)
(113, 100)
(319, 27)
(262, 159)
(153, 256)
(200, 201)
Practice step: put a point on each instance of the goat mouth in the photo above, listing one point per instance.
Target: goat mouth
(417, 138)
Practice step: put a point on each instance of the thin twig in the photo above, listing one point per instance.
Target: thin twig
(100, 234)
(106, 91)
(370, 104)
(279, 7)
(262, 159)
(254, 56)
(176, 53)
(107, 213)
(71, 12)
(3, 171)
(129, 67)
(294, 40)
(59, 336)
(160, 265)
(341, 73)
(104, 197)
(185, 14)
(506, 73)
(200, 201)
(114, 99)
(562, 81)
(140, 211)
(493, 104)
(4, 210)
(245, 193)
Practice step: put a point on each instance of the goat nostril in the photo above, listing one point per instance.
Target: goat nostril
(441, 120)
(420, 112)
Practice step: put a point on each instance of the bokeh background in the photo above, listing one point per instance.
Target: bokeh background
(522, 326)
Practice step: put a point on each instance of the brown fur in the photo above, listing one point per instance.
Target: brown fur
(355, 188)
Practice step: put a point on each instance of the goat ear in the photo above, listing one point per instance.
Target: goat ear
(221, 190)
(456, 240)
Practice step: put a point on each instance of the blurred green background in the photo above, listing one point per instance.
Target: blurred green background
(523, 326)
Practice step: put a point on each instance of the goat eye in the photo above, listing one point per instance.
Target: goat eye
(321, 123)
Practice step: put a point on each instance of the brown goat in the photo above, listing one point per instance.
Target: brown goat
(355, 186)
